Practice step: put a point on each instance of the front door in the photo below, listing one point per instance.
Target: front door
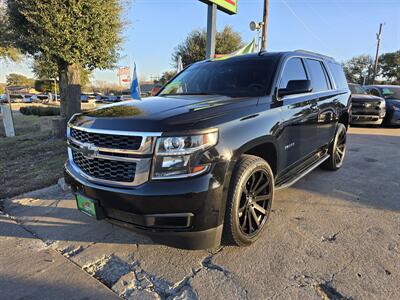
(300, 112)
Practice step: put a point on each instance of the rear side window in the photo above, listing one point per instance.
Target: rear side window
(294, 70)
(318, 78)
(338, 75)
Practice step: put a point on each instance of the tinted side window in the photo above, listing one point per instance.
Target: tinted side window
(338, 75)
(294, 70)
(318, 77)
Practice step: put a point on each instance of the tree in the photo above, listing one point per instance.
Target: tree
(19, 80)
(194, 47)
(72, 34)
(359, 69)
(390, 67)
(7, 51)
(166, 76)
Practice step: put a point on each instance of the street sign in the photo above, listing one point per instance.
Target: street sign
(124, 75)
(228, 6)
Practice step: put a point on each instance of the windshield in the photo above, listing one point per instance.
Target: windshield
(391, 92)
(357, 89)
(235, 78)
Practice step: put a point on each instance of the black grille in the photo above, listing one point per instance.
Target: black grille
(110, 170)
(358, 108)
(107, 140)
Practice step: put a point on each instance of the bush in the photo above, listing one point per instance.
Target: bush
(40, 111)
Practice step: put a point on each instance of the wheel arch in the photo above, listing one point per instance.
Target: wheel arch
(264, 147)
(344, 119)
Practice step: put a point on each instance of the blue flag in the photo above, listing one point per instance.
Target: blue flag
(135, 88)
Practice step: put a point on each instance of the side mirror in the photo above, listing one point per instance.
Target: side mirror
(296, 87)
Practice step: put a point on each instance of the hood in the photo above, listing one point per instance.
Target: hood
(160, 114)
(365, 98)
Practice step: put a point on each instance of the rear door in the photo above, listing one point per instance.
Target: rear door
(324, 101)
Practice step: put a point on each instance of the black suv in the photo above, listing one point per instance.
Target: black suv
(365, 108)
(198, 165)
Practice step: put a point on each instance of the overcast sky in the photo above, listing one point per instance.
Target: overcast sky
(341, 29)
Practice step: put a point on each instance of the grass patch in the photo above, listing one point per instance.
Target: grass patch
(31, 160)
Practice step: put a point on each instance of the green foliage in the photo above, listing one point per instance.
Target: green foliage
(166, 76)
(193, 49)
(359, 68)
(71, 32)
(390, 67)
(44, 68)
(7, 51)
(45, 86)
(40, 111)
(19, 80)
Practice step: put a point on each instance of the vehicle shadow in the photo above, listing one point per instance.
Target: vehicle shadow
(369, 176)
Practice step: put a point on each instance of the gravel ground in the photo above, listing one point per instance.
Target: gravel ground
(333, 235)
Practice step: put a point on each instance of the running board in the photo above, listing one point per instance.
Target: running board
(292, 180)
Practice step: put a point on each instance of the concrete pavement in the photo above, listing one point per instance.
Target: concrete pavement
(31, 270)
(332, 235)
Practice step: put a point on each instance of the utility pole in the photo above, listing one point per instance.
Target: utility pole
(378, 37)
(265, 25)
(211, 30)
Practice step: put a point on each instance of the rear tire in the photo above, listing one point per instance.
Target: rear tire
(249, 201)
(336, 150)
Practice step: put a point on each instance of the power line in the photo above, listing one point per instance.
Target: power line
(303, 23)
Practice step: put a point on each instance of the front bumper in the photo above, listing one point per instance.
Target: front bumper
(366, 119)
(185, 213)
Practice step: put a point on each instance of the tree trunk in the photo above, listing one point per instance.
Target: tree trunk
(73, 90)
(62, 86)
(70, 89)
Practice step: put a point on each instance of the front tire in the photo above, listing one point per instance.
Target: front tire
(249, 201)
(337, 150)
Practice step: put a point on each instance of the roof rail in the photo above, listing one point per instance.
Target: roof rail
(314, 53)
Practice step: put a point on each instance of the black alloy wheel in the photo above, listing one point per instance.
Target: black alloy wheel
(340, 150)
(253, 206)
(337, 150)
(249, 201)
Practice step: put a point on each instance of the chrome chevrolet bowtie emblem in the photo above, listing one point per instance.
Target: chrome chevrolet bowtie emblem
(367, 105)
(89, 150)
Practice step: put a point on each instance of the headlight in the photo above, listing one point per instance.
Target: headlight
(177, 156)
